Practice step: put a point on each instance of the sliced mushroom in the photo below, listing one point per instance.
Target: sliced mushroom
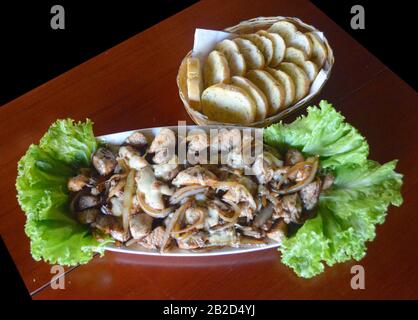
(77, 183)
(87, 201)
(137, 139)
(167, 171)
(140, 225)
(104, 161)
(132, 157)
(163, 145)
(88, 216)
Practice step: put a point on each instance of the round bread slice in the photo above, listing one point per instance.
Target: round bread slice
(256, 94)
(294, 55)
(287, 83)
(284, 28)
(311, 70)
(194, 82)
(279, 46)
(254, 59)
(216, 69)
(301, 42)
(299, 78)
(235, 59)
(228, 104)
(299, 57)
(263, 44)
(319, 51)
(271, 88)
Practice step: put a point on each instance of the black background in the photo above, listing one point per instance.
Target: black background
(31, 52)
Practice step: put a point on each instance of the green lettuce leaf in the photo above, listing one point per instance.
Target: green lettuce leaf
(347, 213)
(42, 193)
(71, 143)
(322, 132)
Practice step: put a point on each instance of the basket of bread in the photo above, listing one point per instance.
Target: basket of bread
(254, 73)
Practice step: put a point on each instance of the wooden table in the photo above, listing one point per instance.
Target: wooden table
(133, 86)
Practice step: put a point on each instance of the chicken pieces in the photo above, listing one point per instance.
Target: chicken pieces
(195, 206)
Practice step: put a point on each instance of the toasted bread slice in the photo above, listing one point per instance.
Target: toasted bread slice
(302, 42)
(194, 82)
(270, 87)
(311, 70)
(235, 59)
(298, 57)
(299, 78)
(255, 93)
(216, 69)
(294, 55)
(279, 46)
(263, 44)
(284, 28)
(228, 103)
(254, 59)
(227, 45)
(287, 83)
(319, 50)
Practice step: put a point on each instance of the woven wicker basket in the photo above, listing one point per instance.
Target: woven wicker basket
(250, 26)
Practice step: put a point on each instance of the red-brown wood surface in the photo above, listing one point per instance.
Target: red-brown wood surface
(133, 85)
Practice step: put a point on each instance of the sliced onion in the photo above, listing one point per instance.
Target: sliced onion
(237, 212)
(298, 186)
(226, 185)
(197, 225)
(123, 165)
(116, 188)
(155, 213)
(174, 219)
(127, 199)
(186, 192)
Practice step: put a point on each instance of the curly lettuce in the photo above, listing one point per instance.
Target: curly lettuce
(43, 195)
(348, 213)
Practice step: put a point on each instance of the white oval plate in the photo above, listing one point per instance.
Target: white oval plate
(119, 138)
